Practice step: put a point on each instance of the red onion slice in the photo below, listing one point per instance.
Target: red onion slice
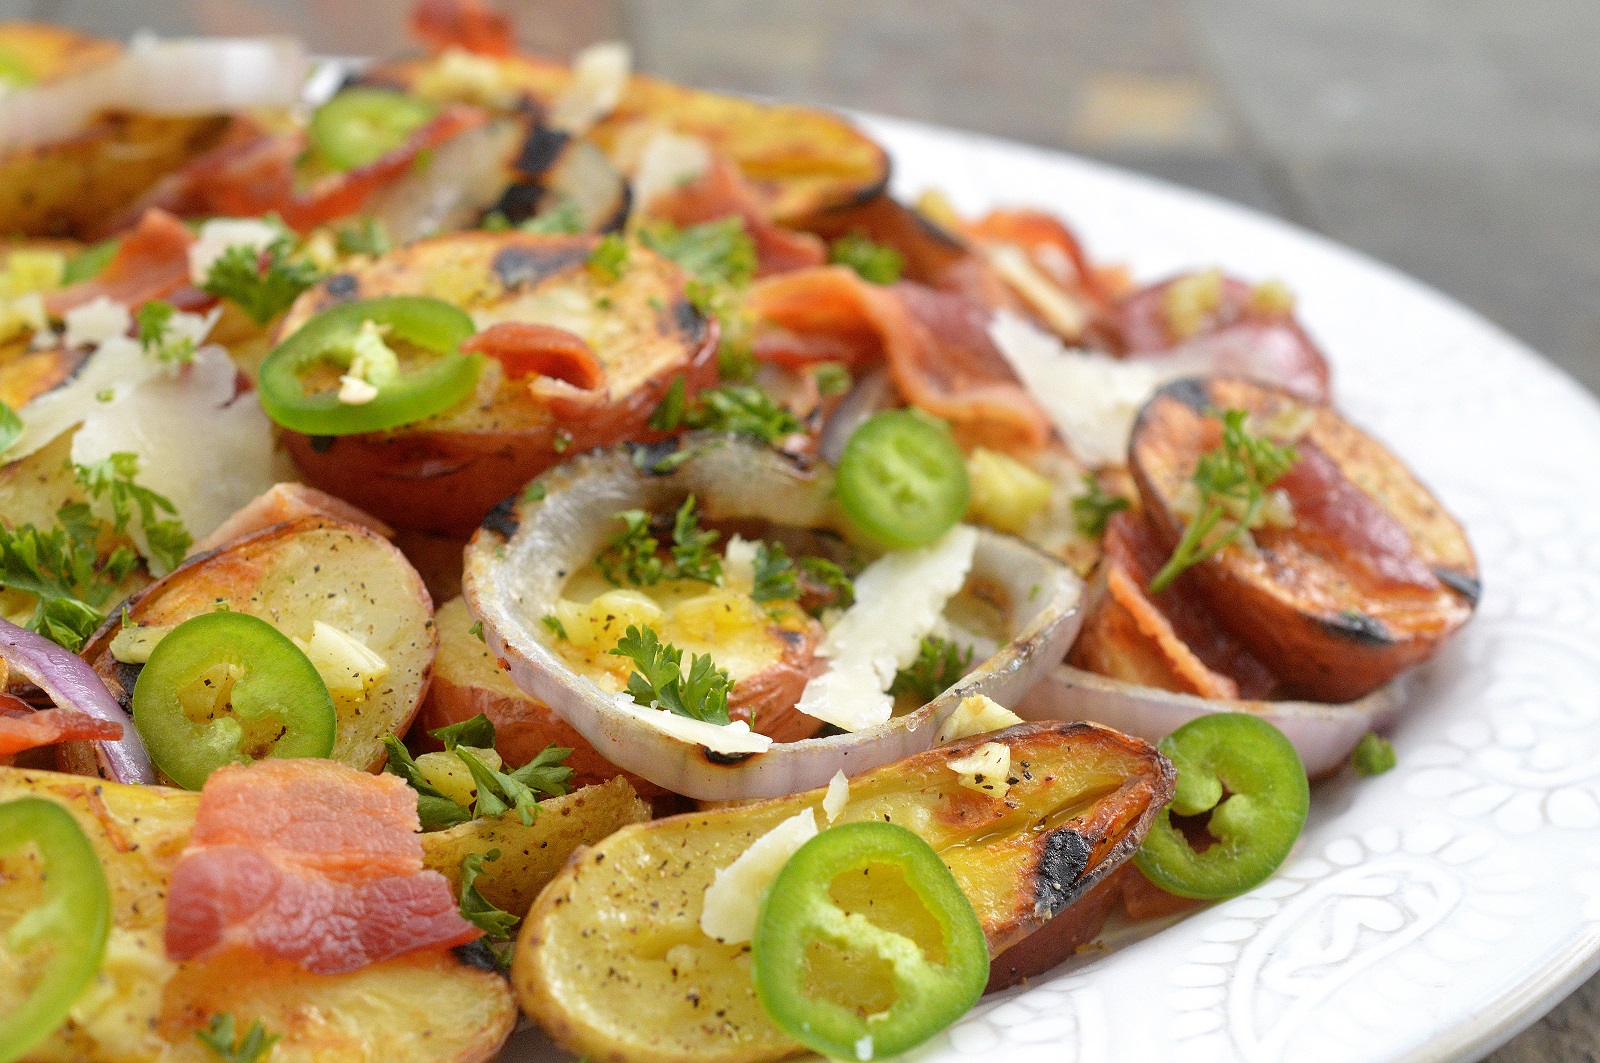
(72, 684)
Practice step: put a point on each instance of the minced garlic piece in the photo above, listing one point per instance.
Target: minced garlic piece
(32, 271)
(599, 77)
(134, 643)
(837, 797)
(96, 321)
(460, 75)
(1272, 298)
(372, 364)
(1190, 302)
(346, 664)
(985, 769)
(976, 715)
(1006, 494)
(120, 1010)
(450, 775)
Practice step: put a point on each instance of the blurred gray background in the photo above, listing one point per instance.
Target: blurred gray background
(1456, 139)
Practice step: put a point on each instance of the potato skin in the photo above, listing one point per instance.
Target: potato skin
(1329, 616)
(442, 475)
(313, 568)
(653, 988)
(424, 1008)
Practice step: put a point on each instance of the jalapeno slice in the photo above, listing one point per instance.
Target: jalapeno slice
(902, 479)
(229, 688)
(865, 946)
(1247, 775)
(403, 395)
(362, 124)
(57, 942)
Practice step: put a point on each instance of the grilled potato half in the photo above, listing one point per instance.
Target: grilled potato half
(293, 575)
(1369, 578)
(425, 1008)
(443, 474)
(611, 961)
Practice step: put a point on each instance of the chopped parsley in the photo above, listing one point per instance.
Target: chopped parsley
(1092, 509)
(714, 252)
(775, 578)
(534, 493)
(553, 623)
(939, 665)
(832, 379)
(10, 427)
(609, 257)
(668, 414)
(1233, 480)
(221, 1037)
(152, 319)
(874, 262)
(435, 811)
(630, 556)
(1373, 755)
(658, 679)
(832, 580)
(365, 237)
(476, 630)
(742, 408)
(692, 554)
(563, 219)
(168, 540)
(498, 792)
(495, 923)
(261, 283)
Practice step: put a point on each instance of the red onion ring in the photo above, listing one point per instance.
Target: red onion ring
(72, 684)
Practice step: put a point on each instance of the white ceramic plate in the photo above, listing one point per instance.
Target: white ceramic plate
(1431, 913)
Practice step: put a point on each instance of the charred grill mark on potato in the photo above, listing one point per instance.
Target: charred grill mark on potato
(1061, 864)
(342, 287)
(520, 201)
(1359, 628)
(524, 264)
(1469, 587)
(540, 150)
(690, 321)
(1191, 391)
(503, 519)
(726, 760)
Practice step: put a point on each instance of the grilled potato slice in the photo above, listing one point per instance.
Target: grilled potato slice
(802, 160)
(443, 474)
(531, 856)
(293, 574)
(425, 1008)
(1373, 574)
(651, 986)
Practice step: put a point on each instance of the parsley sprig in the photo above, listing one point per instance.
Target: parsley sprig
(496, 923)
(152, 319)
(874, 262)
(631, 556)
(221, 1037)
(658, 678)
(168, 540)
(262, 283)
(609, 258)
(775, 576)
(939, 665)
(10, 427)
(1092, 509)
(741, 408)
(1233, 480)
(830, 581)
(498, 792)
(714, 252)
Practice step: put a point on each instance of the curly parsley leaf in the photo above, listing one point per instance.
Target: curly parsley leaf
(261, 283)
(365, 237)
(62, 567)
(495, 923)
(939, 665)
(477, 732)
(629, 556)
(10, 427)
(742, 408)
(1092, 509)
(775, 576)
(692, 556)
(1373, 755)
(658, 680)
(435, 811)
(113, 478)
(668, 414)
(152, 319)
(1232, 480)
(874, 262)
(553, 624)
(830, 580)
(715, 252)
(609, 257)
(221, 1037)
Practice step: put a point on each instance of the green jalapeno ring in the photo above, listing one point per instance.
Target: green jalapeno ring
(432, 324)
(73, 920)
(798, 910)
(276, 681)
(362, 124)
(1255, 825)
(902, 479)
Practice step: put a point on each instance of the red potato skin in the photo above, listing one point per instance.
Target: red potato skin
(1363, 586)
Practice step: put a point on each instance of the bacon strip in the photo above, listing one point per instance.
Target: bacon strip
(722, 192)
(256, 176)
(935, 343)
(312, 862)
(151, 262)
(471, 25)
(23, 728)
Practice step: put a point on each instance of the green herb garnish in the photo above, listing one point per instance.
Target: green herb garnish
(10, 427)
(251, 1048)
(152, 319)
(1373, 755)
(261, 283)
(692, 556)
(495, 923)
(775, 577)
(668, 414)
(873, 262)
(658, 680)
(167, 538)
(831, 577)
(1233, 480)
(742, 408)
(553, 623)
(609, 257)
(563, 219)
(365, 237)
(629, 556)
(1092, 509)
(714, 252)
(939, 665)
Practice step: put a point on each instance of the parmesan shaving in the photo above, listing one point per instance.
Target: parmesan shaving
(733, 900)
(976, 715)
(95, 322)
(900, 598)
(837, 797)
(115, 368)
(1059, 310)
(346, 664)
(220, 234)
(599, 77)
(669, 160)
(739, 565)
(985, 769)
(735, 737)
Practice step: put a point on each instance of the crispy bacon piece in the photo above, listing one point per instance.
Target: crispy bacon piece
(151, 262)
(1167, 640)
(309, 861)
(1235, 339)
(721, 192)
(936, 344)
(256, 176)
(561, 367)
(471, 25)
(23, 728)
